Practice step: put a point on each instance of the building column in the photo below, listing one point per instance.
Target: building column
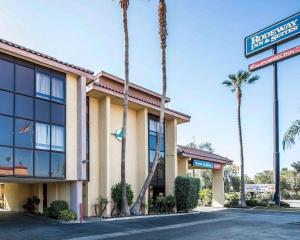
(182, 166)
(81, 128)
(76, 197)
(171, 155)
(218, 187)
(104, 150)
(142, 153)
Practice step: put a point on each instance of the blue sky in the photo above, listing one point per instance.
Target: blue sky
(205, 44)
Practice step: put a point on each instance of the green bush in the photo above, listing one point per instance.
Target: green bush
(116, 195)
(30, 205)
(205, 197)
(56, 207)
(164, 204)
(232, 199)
(186, 193)
(67, 215)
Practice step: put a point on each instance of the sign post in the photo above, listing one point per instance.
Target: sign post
(267, 38)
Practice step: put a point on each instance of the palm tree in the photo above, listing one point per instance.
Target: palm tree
(296, 166)
(236, 82)
(124, 6)
(162, 16)
(291, 134)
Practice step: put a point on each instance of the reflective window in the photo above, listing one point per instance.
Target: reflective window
(6, 103)
(57, 138)
(6, 161)
(23, 162)
(42, 136)
(6, 75)
(58, 113)
(41, 167)
(42, 85)
(57, 165)
(24, 80)
(42, 110)
(58, 89)
(23, 133)
(24, 107)
(6, 130)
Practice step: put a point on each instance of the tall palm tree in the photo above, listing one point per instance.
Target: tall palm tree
(291, 134)
(236, 82)
(162, 17)
(125, 209)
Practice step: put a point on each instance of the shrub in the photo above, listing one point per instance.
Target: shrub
(186, 192)
(170, 203)
(56, 207)
(30, 205)
(205, 197)
(101, 206)
(232, 199)
(116, 195)
(67, 215)
(164, 204)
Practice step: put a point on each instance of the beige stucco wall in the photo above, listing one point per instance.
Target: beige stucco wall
(71, 127)
(15, 195)
(182, 166)
(218, 187)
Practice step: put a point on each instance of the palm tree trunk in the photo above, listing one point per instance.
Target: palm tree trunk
(124, 208)
(243, 197)
(162, 12)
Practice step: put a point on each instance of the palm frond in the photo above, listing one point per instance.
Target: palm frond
(253, 79)
(227, 83)
(291, 134)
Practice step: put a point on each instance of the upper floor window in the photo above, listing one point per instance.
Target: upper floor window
(58, 90)
(42, 85)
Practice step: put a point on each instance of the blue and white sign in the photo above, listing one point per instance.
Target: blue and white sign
(276, 34)
(202, 164)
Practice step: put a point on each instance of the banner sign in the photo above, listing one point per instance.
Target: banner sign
(275, 58)
(204, 164)
(278, 33)
(259, 188)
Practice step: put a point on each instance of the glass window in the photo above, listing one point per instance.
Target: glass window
(57, 138)
(24, 80)
(42, 110)
(42, 136)
(6, 103)
(23, 162)
(153, 125)
(6, 161)
(58, 89)
(6, 75)
(42, 85)
(152, 142)
(24, 107)
(41, 166)
(58, 113)
(57, 165)
(6, 130)
(23, 133)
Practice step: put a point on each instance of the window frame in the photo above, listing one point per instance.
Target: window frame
(52, 73)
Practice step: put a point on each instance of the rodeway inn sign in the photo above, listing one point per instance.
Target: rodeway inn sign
(275, 34)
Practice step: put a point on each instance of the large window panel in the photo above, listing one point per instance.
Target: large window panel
(42, 110)
(6, 130)
(23, 162)
(6, 75)
(57, 165)
(24, 107)
(6, 103)
(57, 138)
(58, 113)
(58, 89)
(42, 85)
(23, 133)
(42, 162)
(42, 136)
(6, 161)
(24, 80)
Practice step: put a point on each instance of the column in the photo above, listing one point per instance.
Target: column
(171, 155)
(142, 152)
(218, 187)
(76, 197)
(182, 166)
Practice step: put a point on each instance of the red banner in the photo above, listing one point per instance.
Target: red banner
(275, 58)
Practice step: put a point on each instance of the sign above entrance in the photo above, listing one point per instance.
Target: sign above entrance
(275, 58)
(204, 164)
(259, 188)
(278, 33)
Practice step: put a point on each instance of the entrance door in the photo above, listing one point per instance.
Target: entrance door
(2, 196)
(45, 196)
